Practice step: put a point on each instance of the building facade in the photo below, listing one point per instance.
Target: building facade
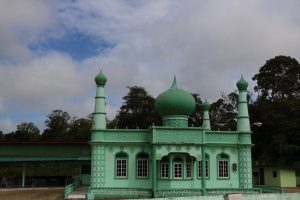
(173, 159)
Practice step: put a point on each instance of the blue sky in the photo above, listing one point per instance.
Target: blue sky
(78, 45)
(51, 51)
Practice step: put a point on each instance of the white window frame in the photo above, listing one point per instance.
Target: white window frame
(142, 167)
(177, 165)
(223, 168)
(121, 168)
(189, 170)
(206, 168)
(164, 170)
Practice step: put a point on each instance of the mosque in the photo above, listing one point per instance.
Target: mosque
(173, 159)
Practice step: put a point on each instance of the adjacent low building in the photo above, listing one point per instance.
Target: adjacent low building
(274, 176)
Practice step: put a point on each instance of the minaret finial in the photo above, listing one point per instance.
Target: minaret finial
(100, 79)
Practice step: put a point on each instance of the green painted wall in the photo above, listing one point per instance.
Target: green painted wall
(131, 181)
(288, 177)
(45, 150)
(85, 179)
(214, 181)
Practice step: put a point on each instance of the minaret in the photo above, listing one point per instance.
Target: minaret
(206, 121)
(243, 123)
(99, 115)
(243, 128)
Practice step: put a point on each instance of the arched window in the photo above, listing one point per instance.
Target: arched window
(121, 165)
(177, 168)
(223, 165)
(206, 167)
(142, 165)
(164, 167)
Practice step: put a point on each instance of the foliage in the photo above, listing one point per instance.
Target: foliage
(26, 131)
(61, 126)
(279, 79)
(196, 117)
(224, 112)
(57, 125)
(1, 136)
(137, 110)
(277, 141)
(79, 129)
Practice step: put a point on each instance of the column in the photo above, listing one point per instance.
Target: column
(154, 173)
(203, 177)
(245, 167)
(206, 121)
(23, 175)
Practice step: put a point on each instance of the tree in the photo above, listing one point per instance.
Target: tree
(57, 124)
(137, 110)
(26, 131)
(80, 129)
(224, 112)
(196, 118)
(278, 108)
(278, 79)
(1, 136)
(278, 139)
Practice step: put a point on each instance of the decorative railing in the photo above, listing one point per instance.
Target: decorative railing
(223, 191)
(121, 135)
(121, 192)
(178, 192)
(70, 188)
(268, 189)
(177, 136)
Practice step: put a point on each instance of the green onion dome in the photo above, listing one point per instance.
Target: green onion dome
(242, 84)
(100, 79)
(205, 105)
(175, 101)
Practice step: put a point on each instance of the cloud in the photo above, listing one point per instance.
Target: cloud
(22, 22)
(207, 44)
(7, 125)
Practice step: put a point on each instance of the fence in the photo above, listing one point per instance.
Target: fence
(272, 196)
(70, 188)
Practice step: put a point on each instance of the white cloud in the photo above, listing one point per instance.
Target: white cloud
(22, 22)
(207, 44)
(7, 125)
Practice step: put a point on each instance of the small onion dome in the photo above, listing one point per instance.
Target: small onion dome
(175, 101)
(205, 105)
(242, 84)
(100, 79)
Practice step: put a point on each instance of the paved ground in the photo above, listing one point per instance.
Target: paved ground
(50, 194)
(57, 194)
(292, 190)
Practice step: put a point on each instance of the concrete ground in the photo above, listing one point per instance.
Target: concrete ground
(291, 189)
(58, 194)
(42, 194)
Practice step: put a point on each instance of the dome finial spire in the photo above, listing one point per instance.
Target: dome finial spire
(174, 84)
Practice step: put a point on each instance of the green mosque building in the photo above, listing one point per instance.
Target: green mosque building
(173, 159)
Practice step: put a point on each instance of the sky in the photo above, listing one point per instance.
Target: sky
(51, 50)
